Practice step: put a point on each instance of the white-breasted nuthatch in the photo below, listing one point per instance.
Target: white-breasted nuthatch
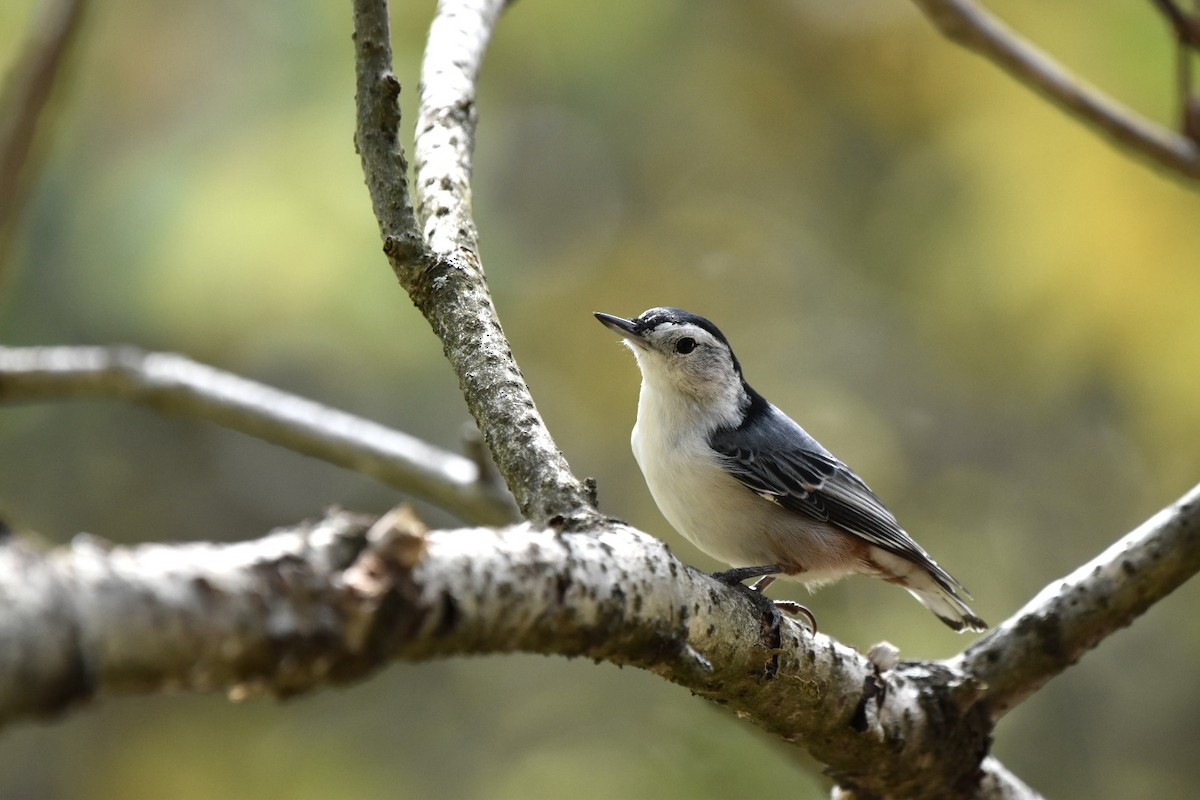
(743, 482)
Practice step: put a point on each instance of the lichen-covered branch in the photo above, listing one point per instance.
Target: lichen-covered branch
(968, 24)
(333, 600)
(173, 384)
(438, 263)
(90, 620)
(1075, 613)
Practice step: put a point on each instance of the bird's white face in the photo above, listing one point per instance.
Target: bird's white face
(680, 356)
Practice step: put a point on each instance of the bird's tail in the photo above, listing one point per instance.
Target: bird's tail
(946, 606)
(933, 587)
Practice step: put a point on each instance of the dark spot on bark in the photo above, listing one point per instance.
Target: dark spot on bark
(204, 589)
(1127, 567)
(391, 87)
(562, 584)
(873, 689)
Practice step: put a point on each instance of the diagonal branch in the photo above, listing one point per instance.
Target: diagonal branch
(177, 385)
(26, 96)
(439, 266)
(1073, 615)
(966, 23)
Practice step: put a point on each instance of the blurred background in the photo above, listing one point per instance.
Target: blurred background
(988, 312)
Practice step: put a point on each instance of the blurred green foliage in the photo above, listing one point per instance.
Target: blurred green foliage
(988, 312)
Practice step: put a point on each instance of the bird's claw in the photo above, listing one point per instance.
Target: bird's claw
(766, 576)
(797, 610)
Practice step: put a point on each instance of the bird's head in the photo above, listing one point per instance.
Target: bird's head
(683, 354)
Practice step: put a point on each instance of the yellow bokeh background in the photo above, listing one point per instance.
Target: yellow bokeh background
(987, 310)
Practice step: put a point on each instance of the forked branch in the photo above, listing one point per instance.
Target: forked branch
(439, 265)
(968, 24)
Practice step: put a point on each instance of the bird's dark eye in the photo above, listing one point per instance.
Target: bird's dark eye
(685, 345)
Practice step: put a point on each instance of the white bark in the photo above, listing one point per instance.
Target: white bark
(439, 265)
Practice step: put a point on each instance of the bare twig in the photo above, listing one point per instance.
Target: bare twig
(26, 95)
(967, 23)
(439, 266)
(1186, 28)
(177, 385)
(1074, 614)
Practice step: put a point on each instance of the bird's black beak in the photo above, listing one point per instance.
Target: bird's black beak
(626, 327)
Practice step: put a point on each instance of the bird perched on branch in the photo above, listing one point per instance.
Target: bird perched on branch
(743, 482)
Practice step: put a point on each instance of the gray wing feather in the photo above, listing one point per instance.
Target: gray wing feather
(776, 459)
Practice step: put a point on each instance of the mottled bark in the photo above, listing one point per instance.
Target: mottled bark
(438, 263)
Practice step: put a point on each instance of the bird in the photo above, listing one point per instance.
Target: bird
(745, 484)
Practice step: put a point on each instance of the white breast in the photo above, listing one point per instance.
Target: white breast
(701, 500)
(719, 515)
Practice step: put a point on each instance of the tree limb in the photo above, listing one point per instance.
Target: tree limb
(88, 621)
(1074, 614)
(173, 384)
(333, 600)
(439, 266)
(966, 23)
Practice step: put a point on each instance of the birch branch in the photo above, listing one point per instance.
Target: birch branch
(332, 601)
(1074, 614)
(968, 24)
(437, 260)
(173, 384)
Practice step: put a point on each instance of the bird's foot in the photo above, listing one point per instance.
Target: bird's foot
(739, 574)
(766, 576)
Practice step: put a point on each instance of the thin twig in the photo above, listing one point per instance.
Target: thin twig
(177, 385)
(1074, 614)
(22, 107)
(1185, 28)
(966, 23)
(439, 266)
